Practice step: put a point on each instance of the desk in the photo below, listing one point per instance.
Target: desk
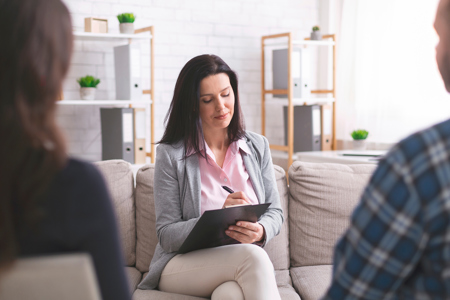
(338, 157)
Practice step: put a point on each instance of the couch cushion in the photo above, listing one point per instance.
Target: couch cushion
(145, 218)
(312, 282)
(120, 182)
(285, 289)
(322, 197)
(134, 277)
(287, 292)
(278, 247)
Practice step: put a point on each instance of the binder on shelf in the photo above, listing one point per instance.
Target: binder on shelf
(300, 68)
(326, 127)
(139, 136)
(117, 133)
(127, 67)
(307, 128)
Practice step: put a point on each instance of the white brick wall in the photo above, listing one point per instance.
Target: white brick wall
(231, 29)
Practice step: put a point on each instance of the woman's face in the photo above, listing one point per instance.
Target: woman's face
(216, 102)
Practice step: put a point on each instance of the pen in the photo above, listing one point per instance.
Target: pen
(227, 189)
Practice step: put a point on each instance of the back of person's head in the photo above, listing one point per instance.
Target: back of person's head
(36, 38)
(183, 121)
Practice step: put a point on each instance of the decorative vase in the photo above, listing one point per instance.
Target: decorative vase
(87, 93)
(316, 35)
(127, 28)
(359, 145)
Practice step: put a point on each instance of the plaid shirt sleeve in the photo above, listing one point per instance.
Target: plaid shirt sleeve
(385, 239)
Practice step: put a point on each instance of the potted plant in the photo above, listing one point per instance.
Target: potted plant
(359, 139)
(88, 85)
(315, 34)
(126, 23)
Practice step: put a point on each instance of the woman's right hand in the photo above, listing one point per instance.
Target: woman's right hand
(237, 198)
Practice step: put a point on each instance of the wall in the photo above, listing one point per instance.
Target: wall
(183, 29)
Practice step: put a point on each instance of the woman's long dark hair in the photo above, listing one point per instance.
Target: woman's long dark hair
(36, 38)
(183, 121)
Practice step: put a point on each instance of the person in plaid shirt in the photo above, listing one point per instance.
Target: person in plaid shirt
(398, 242)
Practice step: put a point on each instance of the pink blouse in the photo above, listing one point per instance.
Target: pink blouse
(233, 174)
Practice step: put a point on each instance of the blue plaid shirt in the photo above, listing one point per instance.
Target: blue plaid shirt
(398, 242)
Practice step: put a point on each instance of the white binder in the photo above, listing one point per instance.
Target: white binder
(127, 66)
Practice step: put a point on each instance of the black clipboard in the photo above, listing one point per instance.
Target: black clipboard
(210, 229)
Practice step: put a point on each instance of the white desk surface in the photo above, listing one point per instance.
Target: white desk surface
(337, 156)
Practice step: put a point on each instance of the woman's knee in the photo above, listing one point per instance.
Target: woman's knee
(257, 257)
(229, 290)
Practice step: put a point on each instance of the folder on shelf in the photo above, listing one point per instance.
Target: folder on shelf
(300, 68)
(117, 133)
(307, 132)
(326, 126)
(127, 67)
(210, 228)
(139, 136)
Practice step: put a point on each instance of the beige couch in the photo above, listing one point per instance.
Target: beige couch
(317, 205)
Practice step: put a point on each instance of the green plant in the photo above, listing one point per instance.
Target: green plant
(126, 18)
(88, 81)
(316, 28)
(359, 134)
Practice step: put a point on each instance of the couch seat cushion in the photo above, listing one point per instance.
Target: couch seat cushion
(322, 197)
(311, 282)
(120, 182)
(134, 277)
(285, 289)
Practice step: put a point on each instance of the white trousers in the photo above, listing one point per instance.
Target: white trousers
(242, 271)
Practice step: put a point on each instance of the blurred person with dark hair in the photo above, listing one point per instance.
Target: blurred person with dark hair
(398, 243)
(49, 202)
(204, 147)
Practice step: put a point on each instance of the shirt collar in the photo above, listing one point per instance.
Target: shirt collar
(241, 143)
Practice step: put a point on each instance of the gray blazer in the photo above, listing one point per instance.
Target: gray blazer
(177, 189)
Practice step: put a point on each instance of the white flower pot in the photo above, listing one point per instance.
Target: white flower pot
(359, 145)
(127, 28)
(87, 93)
(316, 36)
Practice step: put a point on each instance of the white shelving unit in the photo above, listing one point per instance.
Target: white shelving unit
(146, 33)
(323, 96)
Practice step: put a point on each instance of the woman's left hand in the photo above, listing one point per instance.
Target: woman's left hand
(246, 232)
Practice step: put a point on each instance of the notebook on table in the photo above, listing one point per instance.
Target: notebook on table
(210, 229)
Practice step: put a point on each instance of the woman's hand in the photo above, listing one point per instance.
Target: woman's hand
(237, 198)
(246, 232)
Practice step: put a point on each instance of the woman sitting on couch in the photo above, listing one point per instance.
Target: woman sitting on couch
(49, 203)
(203, 148)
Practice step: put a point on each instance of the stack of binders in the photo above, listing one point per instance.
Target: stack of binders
(123, 134)
(312, 127)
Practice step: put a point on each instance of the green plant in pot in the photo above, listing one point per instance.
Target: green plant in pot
(359, 139)
(88, 85)
(315, 34)
(126, 21)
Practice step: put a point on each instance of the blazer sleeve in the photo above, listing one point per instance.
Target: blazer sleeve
(171, 228)
(273, 218)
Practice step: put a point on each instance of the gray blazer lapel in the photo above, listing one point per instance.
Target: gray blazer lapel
(194, 183)
(254, 173)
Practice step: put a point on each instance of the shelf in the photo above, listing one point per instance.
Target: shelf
(300, 101)
(303, 43)
(95, 36)
(103, 102)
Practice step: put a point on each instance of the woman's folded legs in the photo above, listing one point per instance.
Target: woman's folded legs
(199, 273)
